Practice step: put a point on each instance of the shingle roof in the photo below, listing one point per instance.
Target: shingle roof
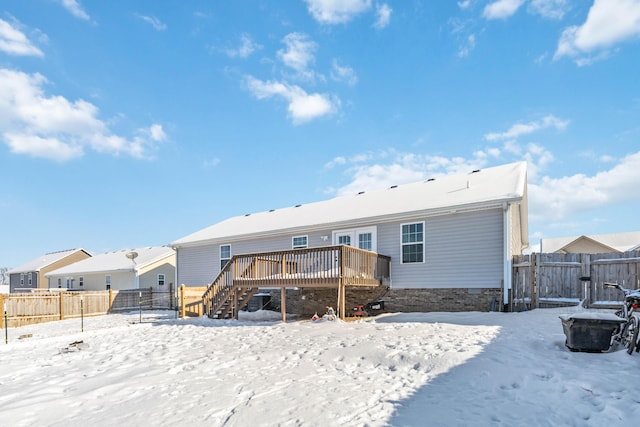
(475, 189)
(43, 261)
(115, 261)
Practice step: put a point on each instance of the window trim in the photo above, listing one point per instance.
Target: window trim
(81, 281)
(306, 242)
(163, 279)
(30, 278)
(224, 259)
(413, 243)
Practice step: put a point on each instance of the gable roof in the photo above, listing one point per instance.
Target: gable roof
(477, 189)
(45, 260)
(617, 242)
(116, 261)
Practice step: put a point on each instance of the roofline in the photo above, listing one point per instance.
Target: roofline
(37, 270)
(117, 270)
(471, 207)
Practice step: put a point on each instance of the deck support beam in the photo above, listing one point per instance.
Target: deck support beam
(283, 303)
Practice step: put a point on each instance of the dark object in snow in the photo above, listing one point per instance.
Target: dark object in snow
(589, 332)
(74, 346)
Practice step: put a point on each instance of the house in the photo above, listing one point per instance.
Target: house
(149, 267)
(593, 243)
(448, 242)
(32, 274)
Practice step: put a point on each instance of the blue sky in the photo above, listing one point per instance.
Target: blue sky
(134, 123)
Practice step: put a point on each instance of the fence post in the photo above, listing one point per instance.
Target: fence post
(150, 297)
(61, 297)
(110, 301)
(2, 308)
(182, 306)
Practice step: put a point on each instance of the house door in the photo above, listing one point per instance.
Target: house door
(362, 238)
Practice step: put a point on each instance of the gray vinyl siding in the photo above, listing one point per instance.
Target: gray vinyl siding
(461, 251)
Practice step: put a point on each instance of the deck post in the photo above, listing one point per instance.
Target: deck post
(283, 303)
(343, 290)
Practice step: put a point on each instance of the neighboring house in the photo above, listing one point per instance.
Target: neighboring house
(150, 267)
(450, 240)
(592, 244)
(32, 274)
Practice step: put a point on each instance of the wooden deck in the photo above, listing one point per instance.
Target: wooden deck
(327, 267)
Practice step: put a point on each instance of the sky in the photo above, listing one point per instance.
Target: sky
(134, 123)
(401, 369)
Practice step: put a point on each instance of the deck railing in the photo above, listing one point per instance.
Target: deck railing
(329, 266)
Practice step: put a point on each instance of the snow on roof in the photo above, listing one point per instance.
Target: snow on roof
(471, 190)
(43, 261)
(115, 261)
(621, 242)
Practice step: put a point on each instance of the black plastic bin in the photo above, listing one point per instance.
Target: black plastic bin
(589, 331)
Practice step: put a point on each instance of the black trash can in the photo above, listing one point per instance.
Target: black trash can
(589, 332)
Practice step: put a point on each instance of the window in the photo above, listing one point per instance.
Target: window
(59, 282)
(81, 281)
(413, 242)
(107, 281)
(22, 279)
(69, 282)
(30, 279)
(160, 279)
(365, 241)
(300, 242)
(225, 255)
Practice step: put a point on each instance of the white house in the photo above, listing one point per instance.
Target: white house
(148, 267)
(593, 243)
(450, 239)
(31, 275)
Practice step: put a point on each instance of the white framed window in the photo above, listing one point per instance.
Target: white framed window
(160, 279)
(22, 279)
(59, 282)
(225, 255)
(107, 281)
(30, 279)
(300, 242)
(81, 281)
(69, 281)
(412, 242)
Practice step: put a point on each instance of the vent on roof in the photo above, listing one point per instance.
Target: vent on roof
(393, 186)
(475, 171)
(431, 179)
(271, 210)
(247, 214)
(297, 206)
(361, 192)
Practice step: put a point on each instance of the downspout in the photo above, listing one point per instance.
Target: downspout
(506, 238)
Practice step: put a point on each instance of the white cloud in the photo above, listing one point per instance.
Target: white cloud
(558, 198)
(336, 11)
(246, 48)
(14, 42)
(467, 47)
(608, 23)
(383, 13)
(552, 9)
(345, 74)
(75, 8)
(335, 162)
(155, 22)
(502, 9)
(303, 107)
(520, 129)
(34, 123)
(299, 52)
(464, 4)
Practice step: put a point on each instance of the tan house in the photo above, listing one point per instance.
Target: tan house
(148, 267)
(592, 244)
(31, 275)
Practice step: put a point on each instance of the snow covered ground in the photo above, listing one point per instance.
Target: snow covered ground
(427, 369)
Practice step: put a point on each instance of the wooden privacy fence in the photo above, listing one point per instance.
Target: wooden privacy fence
(543, 280)
(45, 306)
